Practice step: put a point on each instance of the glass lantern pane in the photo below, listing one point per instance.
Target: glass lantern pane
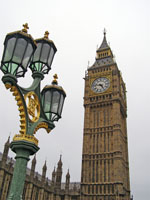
(37, 52)
(50, 59)
(55, 101)
(5, 68)
(61, 105)
(45, 69)
(12, 68)
(45, 52)
(40, 66)
(47, 101)
(47, 115)
(19, 50)
(9, 49)
(19, 72)
(54, 117)
(27, 55)
(35, 66)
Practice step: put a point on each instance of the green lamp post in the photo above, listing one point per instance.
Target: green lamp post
(38, 109)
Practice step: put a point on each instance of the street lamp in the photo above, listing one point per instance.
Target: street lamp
(38, 109)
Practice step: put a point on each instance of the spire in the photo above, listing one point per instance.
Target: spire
(67, 181)
(104, 31)
(8, 141)
(44, 172)
(53, 176)
(44, 166)
(34, 160)
(68, 174)
(104, 44)
(33, 166)
(60, 162)
(104, 55)
(6, 150)
(59, 174)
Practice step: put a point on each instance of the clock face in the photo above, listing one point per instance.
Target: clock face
(100, 85)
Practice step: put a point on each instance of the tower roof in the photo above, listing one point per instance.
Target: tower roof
(104, 44)
(104, 55)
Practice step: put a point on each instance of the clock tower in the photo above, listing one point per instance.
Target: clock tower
(105, 166)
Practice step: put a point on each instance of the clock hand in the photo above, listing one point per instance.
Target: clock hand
(101, 85)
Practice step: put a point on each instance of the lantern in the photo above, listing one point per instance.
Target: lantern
(18, 50)
(53, 97)
(43, 55)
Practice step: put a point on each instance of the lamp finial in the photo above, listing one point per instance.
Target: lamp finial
(25, 28)
(55, 79)
(46, 34)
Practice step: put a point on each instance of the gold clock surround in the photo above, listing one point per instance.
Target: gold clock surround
(101, 75)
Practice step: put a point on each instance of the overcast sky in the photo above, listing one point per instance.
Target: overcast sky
(76, 27)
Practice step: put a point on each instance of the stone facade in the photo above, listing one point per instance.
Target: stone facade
(105, 166)
(37, 187)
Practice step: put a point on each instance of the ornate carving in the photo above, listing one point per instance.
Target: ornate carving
(33, 106)
(21, 108)
(42, 125)
(26, 137)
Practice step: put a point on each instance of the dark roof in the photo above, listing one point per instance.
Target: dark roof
(104, 44)
(102, 62)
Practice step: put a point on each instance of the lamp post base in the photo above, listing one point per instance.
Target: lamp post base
(23, 150)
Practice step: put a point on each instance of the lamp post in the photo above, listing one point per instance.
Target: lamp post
(38, 109)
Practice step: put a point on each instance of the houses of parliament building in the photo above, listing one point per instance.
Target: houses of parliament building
(105, 166)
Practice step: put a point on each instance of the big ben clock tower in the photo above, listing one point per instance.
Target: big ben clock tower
(105, 166)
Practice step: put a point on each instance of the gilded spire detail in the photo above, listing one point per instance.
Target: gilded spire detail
(25, 28)
(55, 79)
(46, 34)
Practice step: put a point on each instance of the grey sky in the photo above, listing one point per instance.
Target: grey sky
(76, 27)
